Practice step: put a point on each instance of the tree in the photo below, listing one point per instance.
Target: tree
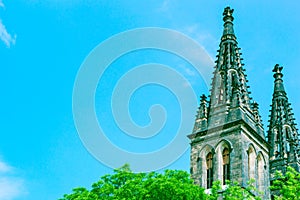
(235, 192)
(287, 186)
(124, 184)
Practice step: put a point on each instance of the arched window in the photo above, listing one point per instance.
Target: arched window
(260, 172)
(226, 165)
(251, 162)
(209, 169)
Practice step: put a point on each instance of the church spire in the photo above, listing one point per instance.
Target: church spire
(282, 133)
(228, 141)
(230, 97)
(229, 82)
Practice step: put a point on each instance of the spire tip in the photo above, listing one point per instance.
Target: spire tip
(228, 14)
(228, 32)
(277, 71)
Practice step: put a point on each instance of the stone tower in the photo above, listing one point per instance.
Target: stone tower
(228, 141)
(282, 133)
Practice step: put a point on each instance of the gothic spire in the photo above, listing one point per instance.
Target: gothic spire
(229, 77)
(230, 99)
(282, 133)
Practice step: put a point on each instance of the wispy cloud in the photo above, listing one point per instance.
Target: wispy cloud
(11, 186)
(4, 168)
(164, 6)
(4, 35)
(186, 70)
(209, 42)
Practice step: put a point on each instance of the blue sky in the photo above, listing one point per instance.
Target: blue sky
(44, 42)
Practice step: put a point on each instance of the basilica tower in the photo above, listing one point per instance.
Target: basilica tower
(228, 141)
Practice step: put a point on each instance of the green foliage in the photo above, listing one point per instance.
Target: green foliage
(124, 184)
(214, 194)
(235, 192)
(287, 186)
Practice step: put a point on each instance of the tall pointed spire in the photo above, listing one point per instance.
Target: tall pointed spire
(228, 141)
(282, 133)
(230, 99)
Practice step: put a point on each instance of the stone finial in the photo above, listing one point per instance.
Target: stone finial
(278, 87)
(228, 14)
(277, 72)
(203, 98)
(228, 32)
(255, 106)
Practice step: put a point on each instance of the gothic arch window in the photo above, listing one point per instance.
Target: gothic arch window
(207, 166)
(223, 160)
(261, 172)
(209, 170)
(226, 165)
(251, 162)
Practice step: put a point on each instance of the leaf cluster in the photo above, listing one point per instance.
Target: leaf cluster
(287, 186)
(125, 185)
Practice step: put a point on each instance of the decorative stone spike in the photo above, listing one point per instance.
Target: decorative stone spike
(201, 117)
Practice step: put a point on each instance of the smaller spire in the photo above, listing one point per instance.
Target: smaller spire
(257, 117)
(201, 117)
(203, 98)
(228, 32)
(282, 134)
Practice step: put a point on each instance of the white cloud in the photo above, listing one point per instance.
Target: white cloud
(4, 168)
(11, 186)
(4, 35)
